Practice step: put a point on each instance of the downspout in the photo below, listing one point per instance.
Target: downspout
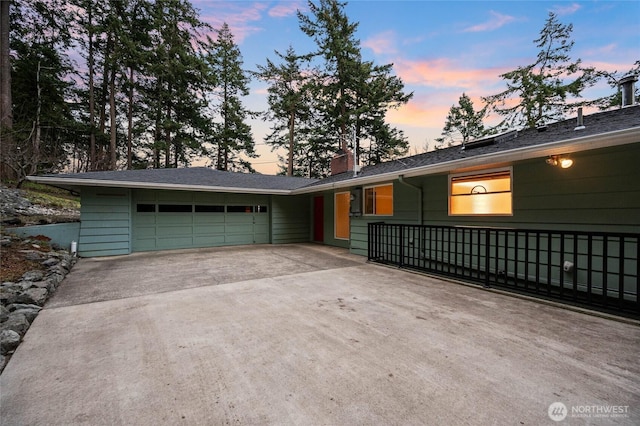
(419, 189)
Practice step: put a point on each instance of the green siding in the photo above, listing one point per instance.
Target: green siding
(405, 210)
(601, 192)
(105, 229)
(290, 219)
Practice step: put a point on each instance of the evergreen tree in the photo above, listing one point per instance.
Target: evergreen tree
(42, 117)
(463, 123)
(6, 111)
(290, 109)
(352, 95)
(173, 82)
(376, 92)
(231, 135)
(548, 88)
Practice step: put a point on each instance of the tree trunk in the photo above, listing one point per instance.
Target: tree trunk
(167, 136)
(291, 138)
(92, 100)
(6, 116)
(35, 155)
(130, 123)
(113, 130)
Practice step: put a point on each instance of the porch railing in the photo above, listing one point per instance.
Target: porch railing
(594, 269)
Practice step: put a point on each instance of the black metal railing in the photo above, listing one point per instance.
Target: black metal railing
(594, 269)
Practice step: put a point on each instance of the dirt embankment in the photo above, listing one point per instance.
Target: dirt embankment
(28, 207)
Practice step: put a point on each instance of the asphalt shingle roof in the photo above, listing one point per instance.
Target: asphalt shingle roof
(195, 176)
(594, 124)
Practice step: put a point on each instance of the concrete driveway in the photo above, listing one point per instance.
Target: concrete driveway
(308, 335)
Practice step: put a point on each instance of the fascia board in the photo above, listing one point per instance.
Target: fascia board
(50, 180)
(568, 146)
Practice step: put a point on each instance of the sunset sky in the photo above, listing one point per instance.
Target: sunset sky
(440, 49)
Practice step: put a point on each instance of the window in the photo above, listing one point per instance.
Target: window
(209, 209)
(378, 200)
(481, 194)
(342, 215)
(239, 209)
(146, 208)
(175, 208)
(261, 209)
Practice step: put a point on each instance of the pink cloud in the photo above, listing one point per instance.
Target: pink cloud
(602, 50)
(566, 10)
(238, 16)
(285, 9)
(431, 111)
(382, 43)
(496, 21)
(445, 73)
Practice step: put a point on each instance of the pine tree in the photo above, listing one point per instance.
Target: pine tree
(42, 115)
(173, 78)
(6, 111)
(463, 123)
(548, 88)
(376, 92)
(289, 109)
(353, 95)
(231, 135)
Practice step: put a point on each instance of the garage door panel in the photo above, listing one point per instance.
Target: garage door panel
(171, 219)
(209, 229)
(174, 242)
(241, 218)
(145, 219)
(209, 240)
(146, 232)
(239, 239)
(261, 238)
(144, 244)
(175, 231)
(239, 229)
(208, 220)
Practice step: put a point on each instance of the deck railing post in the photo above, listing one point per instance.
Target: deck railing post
(487, 260)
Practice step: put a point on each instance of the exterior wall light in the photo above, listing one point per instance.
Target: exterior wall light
(563, 162)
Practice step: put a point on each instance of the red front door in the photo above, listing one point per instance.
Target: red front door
(318, 219)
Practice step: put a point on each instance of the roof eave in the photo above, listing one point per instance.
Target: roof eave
(73, 183)
(567, 146)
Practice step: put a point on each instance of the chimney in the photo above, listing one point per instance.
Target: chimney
(627, 88)
(580, 122)
(342, 162)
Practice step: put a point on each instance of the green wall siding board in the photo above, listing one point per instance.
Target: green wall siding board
(290, 219)
(105, 228)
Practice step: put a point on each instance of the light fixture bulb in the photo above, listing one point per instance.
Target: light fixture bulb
(565, 163)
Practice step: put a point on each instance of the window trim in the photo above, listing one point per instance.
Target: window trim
(479, 174)
(364, 200)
